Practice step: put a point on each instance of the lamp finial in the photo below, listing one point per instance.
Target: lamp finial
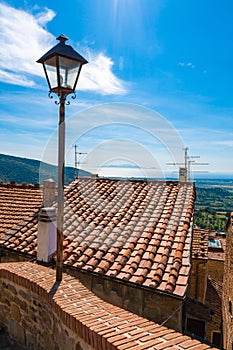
(62, 38)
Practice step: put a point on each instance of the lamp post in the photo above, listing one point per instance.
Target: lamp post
(62, 66)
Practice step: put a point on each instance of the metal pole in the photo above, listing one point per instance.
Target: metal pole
(60, 202)
(76, 160)
(186, 158)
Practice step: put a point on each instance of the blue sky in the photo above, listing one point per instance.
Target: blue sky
(159, 78)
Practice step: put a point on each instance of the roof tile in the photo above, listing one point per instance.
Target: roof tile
(17, 202)
(137, 231)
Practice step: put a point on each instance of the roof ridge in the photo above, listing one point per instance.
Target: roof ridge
(13, 184)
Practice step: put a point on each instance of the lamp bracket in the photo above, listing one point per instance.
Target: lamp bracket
(62, 98)
(51, 96)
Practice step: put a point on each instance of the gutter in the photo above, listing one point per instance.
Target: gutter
(33, 258)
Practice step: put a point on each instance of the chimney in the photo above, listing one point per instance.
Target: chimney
(49, 192)
(47, 234)
(182, 174)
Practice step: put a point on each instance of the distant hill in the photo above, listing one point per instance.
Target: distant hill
(32, 171)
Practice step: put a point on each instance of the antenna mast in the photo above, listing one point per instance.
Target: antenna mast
(185, 171)
(76, 162)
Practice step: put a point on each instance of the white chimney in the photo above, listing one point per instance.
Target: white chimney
(47, 234)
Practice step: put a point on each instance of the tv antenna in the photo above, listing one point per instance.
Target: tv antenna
(76, 162)
(185, 171)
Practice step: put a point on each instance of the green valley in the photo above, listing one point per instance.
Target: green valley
(214, 202)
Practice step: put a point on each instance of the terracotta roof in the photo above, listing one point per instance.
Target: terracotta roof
(200, 249)
(200, 243)
(99, 323)
(17, 202)
(218, 253)
(133, 231)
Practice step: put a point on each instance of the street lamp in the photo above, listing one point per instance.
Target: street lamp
(62, 66)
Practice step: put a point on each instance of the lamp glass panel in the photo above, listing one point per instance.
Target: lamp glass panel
(68, 70)
(51, 69)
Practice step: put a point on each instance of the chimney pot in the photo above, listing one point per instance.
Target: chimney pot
(47, 234)
(49, 192)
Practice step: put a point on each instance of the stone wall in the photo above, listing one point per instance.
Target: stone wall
(43, 314)
(214, 326)
(198, 280)
(11, 256)
(157, 307)
(228, 289)
(32, 322)
(216, 269)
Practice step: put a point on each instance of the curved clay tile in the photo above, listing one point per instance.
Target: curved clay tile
(129, 224)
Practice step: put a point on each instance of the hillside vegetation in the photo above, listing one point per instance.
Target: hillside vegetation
(32, 171)
(212, 207)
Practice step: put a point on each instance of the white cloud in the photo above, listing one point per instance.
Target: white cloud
(24, 39)
(189, 64)
(22, 42)
(15, 79)
(45, 17)
(227, 143)
(97, 75)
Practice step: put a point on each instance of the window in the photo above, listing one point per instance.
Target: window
(216, 338)
(196, 326)
(230, 307)
(214, 243)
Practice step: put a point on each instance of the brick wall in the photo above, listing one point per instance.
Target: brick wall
(41, 314)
